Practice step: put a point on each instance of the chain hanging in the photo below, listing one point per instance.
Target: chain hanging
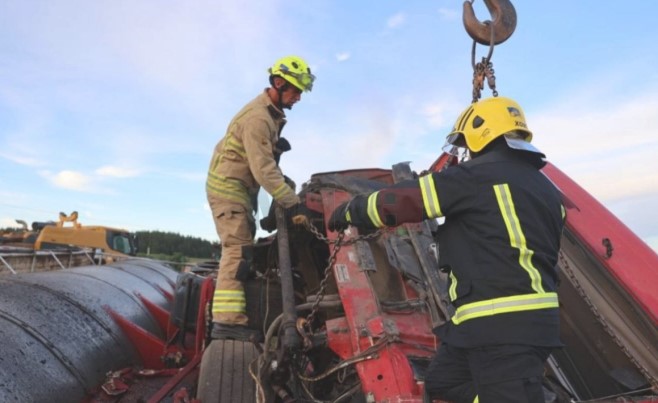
(338, 243)
(483, 70)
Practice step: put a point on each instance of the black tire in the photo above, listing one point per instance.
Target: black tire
(224, 372)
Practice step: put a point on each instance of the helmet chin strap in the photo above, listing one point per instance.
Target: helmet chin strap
(279, 92)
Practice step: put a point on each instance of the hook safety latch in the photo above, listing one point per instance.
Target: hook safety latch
(494, 31)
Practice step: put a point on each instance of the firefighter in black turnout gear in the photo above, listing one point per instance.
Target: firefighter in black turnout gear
(499, 243)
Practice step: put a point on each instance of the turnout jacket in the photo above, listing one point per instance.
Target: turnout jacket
(245, 158)
(499, 243)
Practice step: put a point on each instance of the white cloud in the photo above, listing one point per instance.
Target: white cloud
(116, 172)
(76, 181)
(71, 180)
(22, 159)
(396, 20)
(343, 56)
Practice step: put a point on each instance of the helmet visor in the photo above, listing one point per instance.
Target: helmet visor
(515, 142)
(455, 144)
(305, 80)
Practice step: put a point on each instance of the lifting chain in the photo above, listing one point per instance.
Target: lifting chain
(564, 264)
(482, 71)
(338, 243)
(491, 32)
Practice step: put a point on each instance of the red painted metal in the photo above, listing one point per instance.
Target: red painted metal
(207, 290)
(595, 226)
(176, 380)
(161, 315)
(150, 348)
(386, 338)
(154, 351)
(168, 294)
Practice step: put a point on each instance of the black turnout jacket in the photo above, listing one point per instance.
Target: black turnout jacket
(499, 243)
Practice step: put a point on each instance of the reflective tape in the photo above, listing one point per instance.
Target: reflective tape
(430, 197)
(496, 306)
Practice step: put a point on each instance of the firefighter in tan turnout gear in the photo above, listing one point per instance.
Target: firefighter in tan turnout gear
(499, 243)
(245, 160)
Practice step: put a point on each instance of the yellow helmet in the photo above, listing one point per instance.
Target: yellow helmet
(294, 70)
(484, 121)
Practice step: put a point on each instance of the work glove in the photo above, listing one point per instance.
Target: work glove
(340, 218)
(351, 213)
(281, 146)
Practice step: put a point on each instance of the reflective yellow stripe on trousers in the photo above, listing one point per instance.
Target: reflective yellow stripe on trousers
(232, 301)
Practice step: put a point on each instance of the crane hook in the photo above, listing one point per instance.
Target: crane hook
(503, 25)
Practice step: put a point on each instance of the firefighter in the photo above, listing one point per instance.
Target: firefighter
(499, 243)
(244, 160)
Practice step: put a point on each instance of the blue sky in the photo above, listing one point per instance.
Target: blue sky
(113, 108)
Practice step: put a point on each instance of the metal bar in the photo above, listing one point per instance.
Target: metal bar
(290, 337)
(8, 265)
(57, 260)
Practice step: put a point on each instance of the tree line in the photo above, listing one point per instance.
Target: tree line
(170, 243)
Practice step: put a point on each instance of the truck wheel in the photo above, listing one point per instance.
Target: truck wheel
(224, 372)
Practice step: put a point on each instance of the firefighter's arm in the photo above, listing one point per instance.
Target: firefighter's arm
(402, 203)
(258, 147)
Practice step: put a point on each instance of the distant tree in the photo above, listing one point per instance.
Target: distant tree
(169, 243)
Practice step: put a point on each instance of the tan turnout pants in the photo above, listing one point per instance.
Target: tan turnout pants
(235, 226)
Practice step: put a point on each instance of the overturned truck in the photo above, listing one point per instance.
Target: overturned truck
(346, 317)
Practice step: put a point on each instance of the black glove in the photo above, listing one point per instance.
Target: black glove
(281, 146)
(339, 220)
(354, 213)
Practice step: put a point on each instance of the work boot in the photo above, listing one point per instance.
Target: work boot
(235, 332)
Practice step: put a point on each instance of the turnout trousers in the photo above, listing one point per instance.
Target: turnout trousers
(236, 229)
(490, 374)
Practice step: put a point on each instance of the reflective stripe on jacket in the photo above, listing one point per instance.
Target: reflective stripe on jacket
(243, 161)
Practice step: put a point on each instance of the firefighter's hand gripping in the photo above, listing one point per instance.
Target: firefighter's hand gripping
(340, 218)
(353, 212)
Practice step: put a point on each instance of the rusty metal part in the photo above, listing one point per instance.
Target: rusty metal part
(502, 25)
(483, 71)
(304, 329)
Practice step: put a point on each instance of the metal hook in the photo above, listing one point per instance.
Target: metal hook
(503, 25)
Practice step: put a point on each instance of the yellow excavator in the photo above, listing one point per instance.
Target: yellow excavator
(68, 232)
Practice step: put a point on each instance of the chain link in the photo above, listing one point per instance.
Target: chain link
(338, 243)
(483, 71)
